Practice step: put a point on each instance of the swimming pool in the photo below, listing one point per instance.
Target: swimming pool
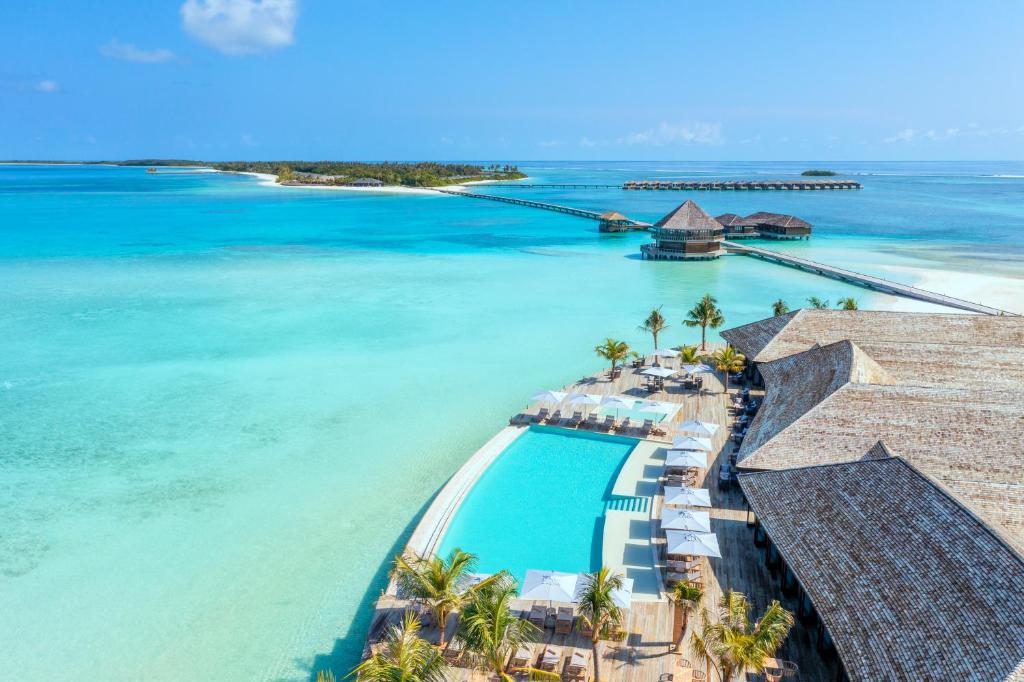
(541, 503)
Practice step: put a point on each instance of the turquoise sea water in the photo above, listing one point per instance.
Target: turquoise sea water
(541, 504)
(223, 405)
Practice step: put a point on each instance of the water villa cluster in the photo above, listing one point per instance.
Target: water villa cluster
(690, 233)
(742, 184)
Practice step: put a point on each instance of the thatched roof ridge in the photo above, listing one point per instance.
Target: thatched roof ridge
(612, 215)
(776, 219)
(733, 220)
(831, 404)
(688, 216)
(909, 584)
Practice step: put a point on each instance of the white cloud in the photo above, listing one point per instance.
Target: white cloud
(46, 86)
(905, 135)
(550, 143)
(241, 26)
(115, 49)
(942, 134)
(683, 133)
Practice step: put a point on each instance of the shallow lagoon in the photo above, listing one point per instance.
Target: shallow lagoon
(222, 405)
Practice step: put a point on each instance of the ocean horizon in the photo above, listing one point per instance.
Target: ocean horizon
(225, 404)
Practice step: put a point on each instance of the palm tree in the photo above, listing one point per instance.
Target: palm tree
(689, 354)
(490, 629)
(779, 308)
(728, 360)
(436, 582)
(705, 314)
(817, 303)
(731, 644)
(613, 351)
(597, 607)
(848, 303)
(404, 657)
(686, 597)
(654, 325)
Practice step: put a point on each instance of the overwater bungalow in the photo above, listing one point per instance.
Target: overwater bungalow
(779, 225)
(613, 221)
(737, 227)
(885, 465)
(687, 233)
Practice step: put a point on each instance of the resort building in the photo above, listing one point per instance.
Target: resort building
(366, 182)
(885, 472)
(779, 226)
(737, 227)
(613, 221)
(687, 233)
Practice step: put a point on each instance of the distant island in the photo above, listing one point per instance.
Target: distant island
(340, 173)
(814, 172)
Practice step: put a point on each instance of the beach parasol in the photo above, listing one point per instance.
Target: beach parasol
(692, 544)
(549, 586)
(691, 443)
(688, 497)
(687, 458)
(685, 519)
(698, 427)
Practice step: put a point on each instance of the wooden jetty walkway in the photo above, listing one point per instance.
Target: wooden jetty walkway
(558, 208)
(701, 185)
(860, 279)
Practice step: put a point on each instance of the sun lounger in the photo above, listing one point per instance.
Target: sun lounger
(454, 650)
(555, 417)
(538, 615)
(541, 415)
(648, 426)
(576, 666)
(591, 422)
(609, 423)
(549, 659)
(563, 621)
(575, 419)
(522, 657)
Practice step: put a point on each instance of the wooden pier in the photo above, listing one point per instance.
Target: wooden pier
(557, 208)
(860, 279)
(737, 185)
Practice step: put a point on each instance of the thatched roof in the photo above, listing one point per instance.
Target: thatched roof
(909, 584)
(954, 407)
(923, 348)
(688, 216)
(733, 220)
(776, 219)
(613, 215)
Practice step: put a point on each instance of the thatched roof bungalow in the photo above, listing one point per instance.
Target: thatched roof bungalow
(736, 226)
(613, 221)
(779, 225)
(687, 232)
(903, 581)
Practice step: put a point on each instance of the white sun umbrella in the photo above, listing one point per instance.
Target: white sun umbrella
(657, 407)
(665, 353)
(691, 443)
(687, 497)
(698, 427)
(692, 544)
(658, 372)
(549, 586)
(687, 458)
(623, 598)
(617, 402)
(696, 369)
(583, 399)
(548, 397)
(685, 519)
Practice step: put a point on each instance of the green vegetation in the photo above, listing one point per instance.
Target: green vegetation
(491, 630)
(687, 597)
(728, 360)
(598, 610)
(849, 303)
(423, 174)
(779, 308)
(818, 172)
(437, 582)
(404, 656)
(689, 354)
(654, 325)
(817, 303)
(705, 314)
(613, 351)
(729, 643)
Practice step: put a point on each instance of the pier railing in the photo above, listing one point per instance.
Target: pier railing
(557, 208)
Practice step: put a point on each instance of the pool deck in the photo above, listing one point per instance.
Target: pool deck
(632, 544)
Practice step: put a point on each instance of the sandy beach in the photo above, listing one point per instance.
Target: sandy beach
(1006, 293)
(270, 180)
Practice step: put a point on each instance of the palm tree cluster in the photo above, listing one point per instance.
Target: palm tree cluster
(731, 644)
(704, 315)
(728, 360)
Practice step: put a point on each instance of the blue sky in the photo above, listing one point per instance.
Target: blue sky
(227, 79)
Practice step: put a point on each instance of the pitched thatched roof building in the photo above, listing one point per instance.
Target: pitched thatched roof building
(737, 227)
(907, 583)
(944, 393)
(613, 221)
(686, 233)
(779, 225)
